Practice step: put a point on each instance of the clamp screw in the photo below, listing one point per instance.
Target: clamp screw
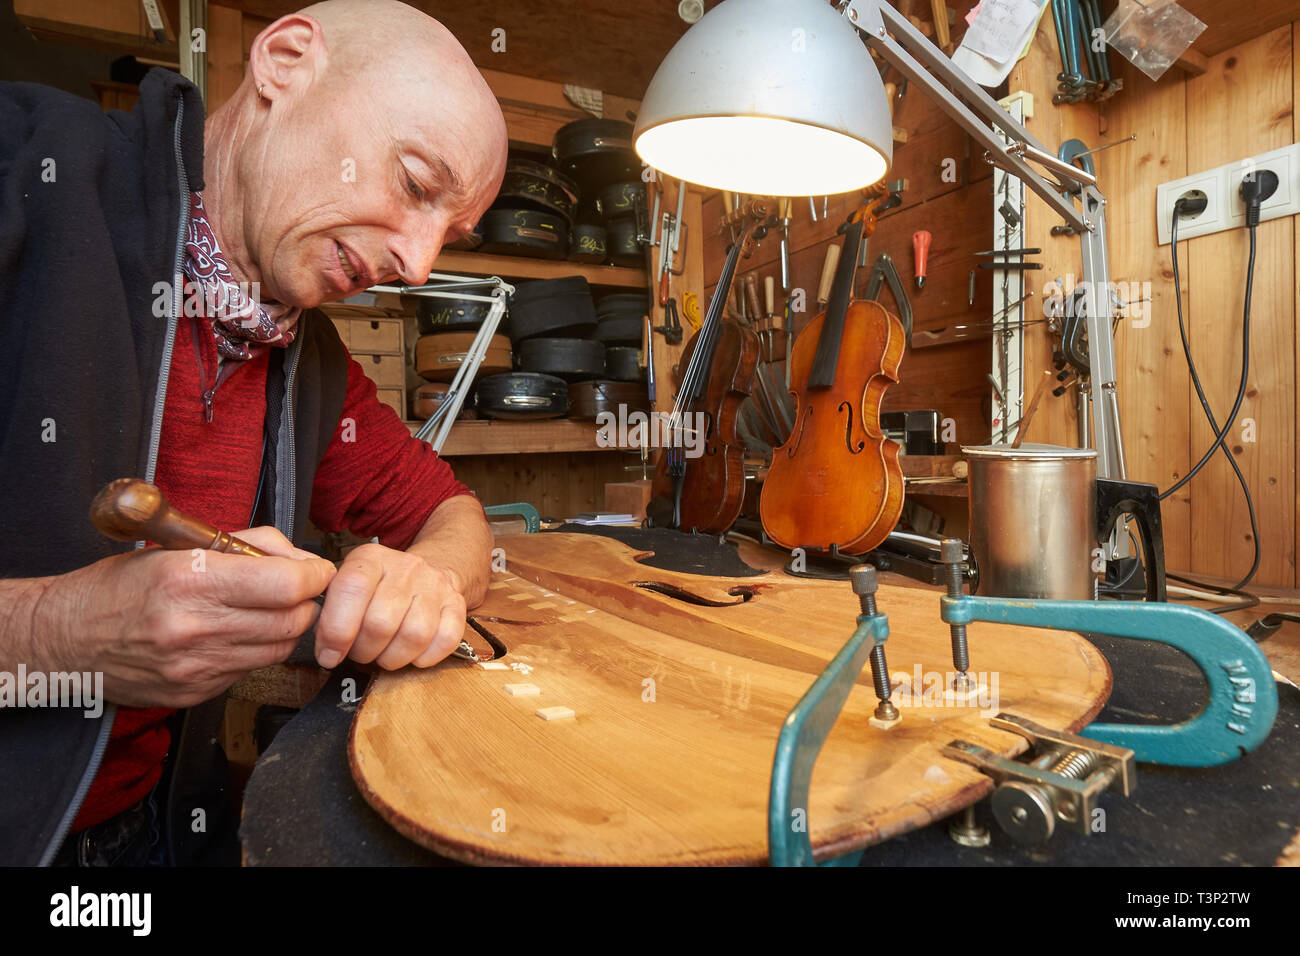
(1027, 812)
(967, 831)
(862, 577)
(951, 553)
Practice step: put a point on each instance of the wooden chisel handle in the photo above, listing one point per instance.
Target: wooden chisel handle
(130, 509)
(752, 310)
(828, 273)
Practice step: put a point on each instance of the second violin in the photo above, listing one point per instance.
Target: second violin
(699, 481)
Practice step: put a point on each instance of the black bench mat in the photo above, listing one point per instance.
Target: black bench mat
(301, 806)
(674, 550)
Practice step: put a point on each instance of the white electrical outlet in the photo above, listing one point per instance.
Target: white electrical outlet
(1221, 186)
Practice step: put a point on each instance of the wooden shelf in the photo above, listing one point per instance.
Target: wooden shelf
(519, 267)
(520, 438)
(928, 466)
(564, 435)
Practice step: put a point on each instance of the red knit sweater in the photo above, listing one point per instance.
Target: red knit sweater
(381, 483)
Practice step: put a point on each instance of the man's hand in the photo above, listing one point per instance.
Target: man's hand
(172, 628)
(390, 607)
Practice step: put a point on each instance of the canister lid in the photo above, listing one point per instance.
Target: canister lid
(1027, 452)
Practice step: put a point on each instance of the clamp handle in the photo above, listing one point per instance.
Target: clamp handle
(1242, 701)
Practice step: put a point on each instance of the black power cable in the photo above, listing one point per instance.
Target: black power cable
(1220, 434)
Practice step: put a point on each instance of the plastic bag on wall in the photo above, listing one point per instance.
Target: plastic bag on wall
(1151, 35)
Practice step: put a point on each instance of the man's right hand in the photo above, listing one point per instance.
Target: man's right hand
(176, 628)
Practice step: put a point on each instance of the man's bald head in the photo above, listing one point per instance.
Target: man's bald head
(362, 138)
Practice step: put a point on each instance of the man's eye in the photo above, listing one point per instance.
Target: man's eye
(414, 188)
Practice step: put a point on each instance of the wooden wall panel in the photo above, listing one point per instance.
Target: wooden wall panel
(226, 55)
(1295, 298)
(1241, 106)
(1154, 398)
(558, 485)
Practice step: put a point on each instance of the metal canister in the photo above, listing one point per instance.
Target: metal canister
(1033, 520)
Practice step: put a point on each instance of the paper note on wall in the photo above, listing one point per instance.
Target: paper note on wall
(988, 70)
(998, 31)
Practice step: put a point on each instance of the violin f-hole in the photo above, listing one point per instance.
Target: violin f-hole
(709, 447)
(792, 446)
(848, 430)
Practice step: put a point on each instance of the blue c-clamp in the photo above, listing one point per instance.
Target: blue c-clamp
(1236, 719)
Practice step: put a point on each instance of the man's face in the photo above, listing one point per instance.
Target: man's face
(361, 179)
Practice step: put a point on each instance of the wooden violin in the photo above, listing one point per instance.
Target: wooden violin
(836, 482)
(699, 481)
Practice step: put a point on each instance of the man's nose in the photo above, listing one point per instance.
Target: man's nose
(416, 252)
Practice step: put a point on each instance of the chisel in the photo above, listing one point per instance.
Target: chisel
(129, 509)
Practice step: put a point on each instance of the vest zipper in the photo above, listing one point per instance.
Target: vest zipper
(224, 370)
(155, 436)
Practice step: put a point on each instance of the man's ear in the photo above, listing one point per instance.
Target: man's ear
(284, 54)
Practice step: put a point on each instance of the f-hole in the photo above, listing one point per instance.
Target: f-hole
(793, 448)
(709, 449)
(742, 593)
(848, 430)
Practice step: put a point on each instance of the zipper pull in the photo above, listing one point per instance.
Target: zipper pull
(209, 396)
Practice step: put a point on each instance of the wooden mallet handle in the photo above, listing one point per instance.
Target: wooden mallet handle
(129, 509)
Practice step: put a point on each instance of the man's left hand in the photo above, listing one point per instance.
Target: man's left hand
(392, 608)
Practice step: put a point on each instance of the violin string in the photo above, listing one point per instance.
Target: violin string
(696, 369)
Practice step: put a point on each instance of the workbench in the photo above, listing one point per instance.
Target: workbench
(303, 807)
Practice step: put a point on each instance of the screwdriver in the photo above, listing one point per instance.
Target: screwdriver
(921, 250)
(129, 509)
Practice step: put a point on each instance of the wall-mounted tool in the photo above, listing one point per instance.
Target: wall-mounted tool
(784, 216)
(1079, 20)
(670, 243)
(1002, 265)
(884, 272)
(921, 254)
(671, 330)
(829, 264)
(1002, 253)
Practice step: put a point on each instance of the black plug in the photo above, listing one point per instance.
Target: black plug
(1190, 206)
(1257, 186)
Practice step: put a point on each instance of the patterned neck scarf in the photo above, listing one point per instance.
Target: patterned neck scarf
(242, 325)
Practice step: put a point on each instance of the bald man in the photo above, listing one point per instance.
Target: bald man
(157, 282)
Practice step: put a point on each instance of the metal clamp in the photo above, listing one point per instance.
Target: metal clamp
(1242, 701)
(807, 726)
(532, 519)
(1061, 782)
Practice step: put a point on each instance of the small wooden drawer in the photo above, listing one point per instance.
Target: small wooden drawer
(394, 398)
(386, 371)
(375, 335)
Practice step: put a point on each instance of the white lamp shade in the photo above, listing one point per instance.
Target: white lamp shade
(770, 98)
